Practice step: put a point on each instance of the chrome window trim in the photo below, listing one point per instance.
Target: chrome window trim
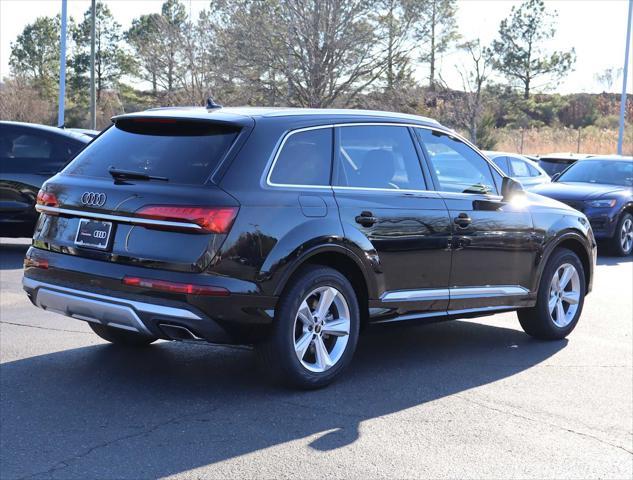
(270, 166)
(116, 218)
(453, 293)
(277, 153)
(433, 193)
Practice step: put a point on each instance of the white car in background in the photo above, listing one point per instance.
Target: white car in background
(519, 167)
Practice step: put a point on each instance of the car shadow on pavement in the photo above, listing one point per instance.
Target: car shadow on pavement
(12, 255)
(106, 412)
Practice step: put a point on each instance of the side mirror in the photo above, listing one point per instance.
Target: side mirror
(555, 177)
(510, 187)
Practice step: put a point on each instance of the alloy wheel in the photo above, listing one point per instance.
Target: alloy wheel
(626, 235)
(564, 295)
(321, 329)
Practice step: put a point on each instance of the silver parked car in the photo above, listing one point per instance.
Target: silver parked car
(519, 167)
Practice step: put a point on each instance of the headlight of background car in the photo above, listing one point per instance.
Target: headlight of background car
(606, 203)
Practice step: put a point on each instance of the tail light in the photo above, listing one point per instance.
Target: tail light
(47, 199)
(175, 287)
(210, 219)
(30, 262)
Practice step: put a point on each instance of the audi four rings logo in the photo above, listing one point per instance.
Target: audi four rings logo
(100, 234)
(94, 199)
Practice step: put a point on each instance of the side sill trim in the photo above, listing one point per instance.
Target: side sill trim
(453, 293)
(116, 218)
(496, 291)
(415, 295)
(443, 313)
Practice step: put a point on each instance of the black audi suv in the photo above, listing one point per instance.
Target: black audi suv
(290, 229)
(29, 155)
(602, 188)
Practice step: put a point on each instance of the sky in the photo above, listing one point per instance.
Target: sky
(595, 28)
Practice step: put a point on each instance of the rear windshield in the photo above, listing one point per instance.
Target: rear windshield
(553, 166)
(182, 152)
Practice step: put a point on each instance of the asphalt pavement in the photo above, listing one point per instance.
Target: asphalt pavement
(462, 399)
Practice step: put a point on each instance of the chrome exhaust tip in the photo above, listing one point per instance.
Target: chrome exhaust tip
(179, 333)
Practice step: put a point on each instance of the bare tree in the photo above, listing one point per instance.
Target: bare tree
(395, 20)
(20, 101)
(157, 41)
(436, 31)
(608, 78)
(474, 77)
(323, 51)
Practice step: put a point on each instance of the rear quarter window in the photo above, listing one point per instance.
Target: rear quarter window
(184, 152)
(305, 158)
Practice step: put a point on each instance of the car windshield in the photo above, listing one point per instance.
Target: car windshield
(611, 172)
(552, 166)
(181, 151)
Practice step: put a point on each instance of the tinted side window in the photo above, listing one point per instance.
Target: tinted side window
(305, 159)
(519, 167)
(377, 157)
(457, 167)
(27, 151)
(32, 146)
(533, 171)
(502, 163)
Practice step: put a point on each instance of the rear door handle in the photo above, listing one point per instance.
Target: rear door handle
(366, 219)
(462, 220)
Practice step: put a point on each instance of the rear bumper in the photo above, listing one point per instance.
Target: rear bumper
(149, 319)
(92, 290)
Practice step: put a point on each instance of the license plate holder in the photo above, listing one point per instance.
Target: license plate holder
(93, 234)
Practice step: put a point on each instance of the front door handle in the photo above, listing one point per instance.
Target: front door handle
(366, 219)
(463, 220)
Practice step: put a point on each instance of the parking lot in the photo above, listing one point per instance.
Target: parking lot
(465, 399)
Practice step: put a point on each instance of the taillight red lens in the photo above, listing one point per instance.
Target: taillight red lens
(210, 219)
(47, 199)
(175, 287)
(35, 263)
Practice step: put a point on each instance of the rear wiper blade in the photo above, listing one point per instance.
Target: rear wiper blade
(131, 174)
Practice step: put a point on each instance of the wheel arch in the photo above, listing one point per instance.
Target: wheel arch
(575, 242)
(339, 258)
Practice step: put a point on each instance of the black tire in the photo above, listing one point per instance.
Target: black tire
(277, 353)
(118, 336)
(616, 242)
(537, 321)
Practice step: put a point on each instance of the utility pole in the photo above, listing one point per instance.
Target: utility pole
(624, 77)
(62, 68)
(93, 110)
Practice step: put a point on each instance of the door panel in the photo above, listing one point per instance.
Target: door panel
(381, 192)
(411, 233)
(495, 248)
(492, 239)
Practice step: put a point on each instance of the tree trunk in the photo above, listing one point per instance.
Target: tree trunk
(432, 61)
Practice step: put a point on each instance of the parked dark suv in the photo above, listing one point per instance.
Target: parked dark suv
(29, 155)
(290, 229)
